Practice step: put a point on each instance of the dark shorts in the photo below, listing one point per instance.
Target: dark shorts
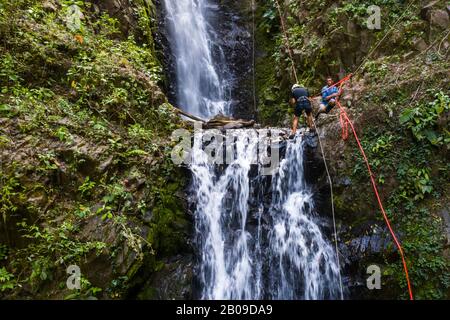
(329, 106)
(300, 106)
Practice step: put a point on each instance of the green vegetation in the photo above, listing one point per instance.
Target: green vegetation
(400, 111)
(414, 170)
(6, 280)
(422, 120)
(85, 130)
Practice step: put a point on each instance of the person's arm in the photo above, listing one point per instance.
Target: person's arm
(334, 95)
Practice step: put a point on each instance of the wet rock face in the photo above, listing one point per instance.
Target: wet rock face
(231, 29)
(122, 10)
(172, 282)
(162, 45)
(362, 241)
(235, 37)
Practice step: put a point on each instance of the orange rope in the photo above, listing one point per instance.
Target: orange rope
(344, 126)
(345, 121)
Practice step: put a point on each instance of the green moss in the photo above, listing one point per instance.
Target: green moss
(169, 223)
(271, 102)
(414, 200)
(86, 107)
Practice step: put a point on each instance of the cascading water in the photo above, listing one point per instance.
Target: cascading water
(202, 81)
(226, 267)
(284, 257)
(250, 245)
(303, 263)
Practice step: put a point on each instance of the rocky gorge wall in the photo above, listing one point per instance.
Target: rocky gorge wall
(86, 122)
(406, 75)
(85, 176)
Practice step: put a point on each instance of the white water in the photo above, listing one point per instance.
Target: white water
(303, 261)
(221, 216)
(292, 260)
(249, 246)
(201, 89)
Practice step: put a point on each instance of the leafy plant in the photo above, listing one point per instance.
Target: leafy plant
(8, 192)
(422, 120)
(51, 247)
(86, 187)
(82, 211)
(48, 161)
(6, 280)
(63, 134)
(3, 252)
(8, 73)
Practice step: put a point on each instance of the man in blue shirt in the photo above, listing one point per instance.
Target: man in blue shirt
(330, 93)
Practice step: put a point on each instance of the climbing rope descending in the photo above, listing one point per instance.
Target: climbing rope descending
(345, 122)
(323, 154)
(286, 39)
(380, 203)
(332, 211)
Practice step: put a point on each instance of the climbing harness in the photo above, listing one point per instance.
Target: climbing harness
(345, 123)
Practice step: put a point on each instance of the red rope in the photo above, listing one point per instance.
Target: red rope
(344, 126)
(339, 83)
(345, 121)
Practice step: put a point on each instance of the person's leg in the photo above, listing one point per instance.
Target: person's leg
(308, 115)
(309, 121)
(331, 105)
(294, 125)
(322, 109)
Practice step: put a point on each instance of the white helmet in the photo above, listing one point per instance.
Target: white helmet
(295, 86)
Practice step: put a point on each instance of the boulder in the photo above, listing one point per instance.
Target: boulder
(439, 18)
(424, 12)
(436, 17)
(420, 44)
(49, 6)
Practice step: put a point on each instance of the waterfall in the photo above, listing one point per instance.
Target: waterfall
(242, 257)
(202, 80)
(257, 236)
(303, 262)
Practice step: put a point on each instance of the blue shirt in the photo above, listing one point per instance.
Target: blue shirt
(327, 91)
